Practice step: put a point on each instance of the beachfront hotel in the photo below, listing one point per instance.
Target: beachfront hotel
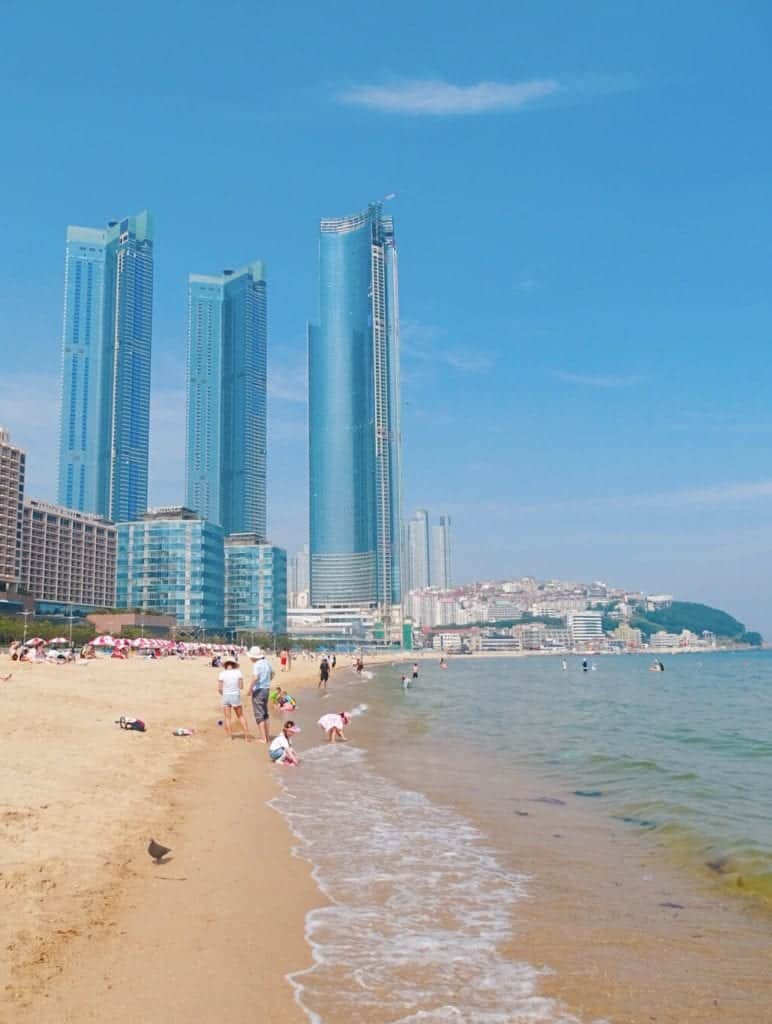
(354, 415)
(67, 557)
(172, 561)
(225, 465)
(105, 389)
(12, 469)
(255, 585)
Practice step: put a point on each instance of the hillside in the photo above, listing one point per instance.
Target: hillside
(695, 617)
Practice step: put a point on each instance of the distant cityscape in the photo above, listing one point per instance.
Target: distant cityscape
(207, 566)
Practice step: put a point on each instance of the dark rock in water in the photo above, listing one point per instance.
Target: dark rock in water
(720, 865)
(588, 792)
(522, 814)
(549, 800)
(640, 822)
(672, 906)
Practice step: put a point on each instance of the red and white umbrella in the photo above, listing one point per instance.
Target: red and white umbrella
(59, 640)
(36, 641)
(103, 641)
(122, 642)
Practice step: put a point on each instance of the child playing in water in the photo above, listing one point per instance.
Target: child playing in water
(280, 750)
(333, 725)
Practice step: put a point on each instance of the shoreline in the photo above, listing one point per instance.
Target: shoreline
(92, 929)
(214, 933)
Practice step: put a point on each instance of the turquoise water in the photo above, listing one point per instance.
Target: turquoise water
(685, 754)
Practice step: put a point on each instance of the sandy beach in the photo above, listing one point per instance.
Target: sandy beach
(91, 928)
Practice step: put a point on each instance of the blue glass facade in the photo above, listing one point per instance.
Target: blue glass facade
(255, 585)
(173, 562)
(354, 430)
(106, 350)
(225, 465)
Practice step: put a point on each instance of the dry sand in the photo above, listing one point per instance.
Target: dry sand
(90, 927)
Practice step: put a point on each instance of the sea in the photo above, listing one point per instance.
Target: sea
(411, 827)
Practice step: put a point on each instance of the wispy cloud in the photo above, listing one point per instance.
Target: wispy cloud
(597, 380)
(438, 98)
(288, 381)
(427, 343)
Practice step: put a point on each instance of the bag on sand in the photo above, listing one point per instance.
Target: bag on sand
(131, 723)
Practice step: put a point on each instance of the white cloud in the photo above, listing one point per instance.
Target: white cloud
(426, 343)
(438, 98)
(597, 380)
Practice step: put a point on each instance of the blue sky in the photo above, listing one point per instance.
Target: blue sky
(583, 223)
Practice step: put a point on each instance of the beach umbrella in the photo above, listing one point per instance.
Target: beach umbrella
(59, 640)
(103, 641)
(122, 642)
(36, 641)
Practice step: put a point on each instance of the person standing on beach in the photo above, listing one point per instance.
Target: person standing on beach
(261, 690)
(230, 684)
(415, 670)
(324, 673)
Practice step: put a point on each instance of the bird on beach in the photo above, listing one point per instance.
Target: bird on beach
(156, 851)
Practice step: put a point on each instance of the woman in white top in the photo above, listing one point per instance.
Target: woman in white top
(230, 684)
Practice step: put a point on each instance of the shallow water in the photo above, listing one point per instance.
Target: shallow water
(403, 832)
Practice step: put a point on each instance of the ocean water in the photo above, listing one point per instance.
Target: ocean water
(421, 901)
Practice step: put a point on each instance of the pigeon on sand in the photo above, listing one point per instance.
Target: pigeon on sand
(156, 851)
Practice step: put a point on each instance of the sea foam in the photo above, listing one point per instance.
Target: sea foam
(419, 906)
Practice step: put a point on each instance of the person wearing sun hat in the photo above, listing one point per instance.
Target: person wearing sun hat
(280, 750)
(260, 690)
(230, 683)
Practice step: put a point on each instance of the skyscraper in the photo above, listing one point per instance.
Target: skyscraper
(354, 429)
(105, 394)
(440, 573)
(418, 550)
(226, 399)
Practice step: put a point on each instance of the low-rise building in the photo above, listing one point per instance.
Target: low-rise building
(255, 584)
(172, 561)
(586, 628)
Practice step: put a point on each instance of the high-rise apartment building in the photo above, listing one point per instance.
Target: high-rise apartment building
(439, 558)
(105, 392)
(172, 561)
(12, 468)
(255, 584)
(226, 399)
(67, 557)
(298, 578)
(354, 415)
(418, 552)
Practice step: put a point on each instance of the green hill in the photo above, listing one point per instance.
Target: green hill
(695, 617)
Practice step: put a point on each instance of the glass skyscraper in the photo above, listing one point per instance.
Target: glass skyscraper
(226, 399)
(173, 561)
(440, 558)
(105, 395)
(354, 408)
